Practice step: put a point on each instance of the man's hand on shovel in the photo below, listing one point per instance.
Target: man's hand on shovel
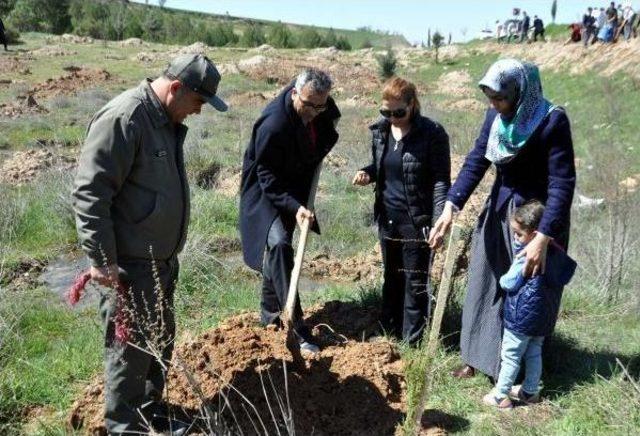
(302, 214)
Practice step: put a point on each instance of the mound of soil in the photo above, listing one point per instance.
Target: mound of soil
(132, 42)
(76, 79)
(455, 84)
(24, 166)
(250, 99)
(467, 105)
(606, 59)
(13, 65)
(366, 267)
(75, 39)
(53, 50)
(26, 105)
(355, 78)
(350, 387)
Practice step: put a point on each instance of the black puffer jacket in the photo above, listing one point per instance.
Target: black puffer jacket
(426, 167)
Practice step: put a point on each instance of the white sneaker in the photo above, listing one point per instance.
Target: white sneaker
(308, 347)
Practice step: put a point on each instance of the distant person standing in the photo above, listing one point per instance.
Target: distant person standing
(526, 24)
(576, 33)
(538, 28)
(601, 17)
(500, 31)
(3, 37)
(628, 16)
(588, 26)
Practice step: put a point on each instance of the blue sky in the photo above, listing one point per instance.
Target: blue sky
(411, 18)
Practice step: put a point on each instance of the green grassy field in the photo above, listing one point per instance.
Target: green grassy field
(49, 352)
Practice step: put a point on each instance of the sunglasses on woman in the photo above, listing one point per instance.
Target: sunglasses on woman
(397, 113)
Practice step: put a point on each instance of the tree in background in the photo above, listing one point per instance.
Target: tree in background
(91, 19)
(152, 27)
(161, 3)
(437, 40)
(343, 44)
(366, 43)
(220, 35)
(280, 36)
(6, 6)
(387, 63)
(310, 38)
(253, 36)
(50, 16)
(330, 38)
(429, 38)
(554, 10)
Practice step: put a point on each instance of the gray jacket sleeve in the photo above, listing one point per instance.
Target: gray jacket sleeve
(106, 159)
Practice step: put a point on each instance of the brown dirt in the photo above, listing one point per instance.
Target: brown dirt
(630, 184)
(355, 78)
(455, 84)
(228, 184)
(25, 273)
(53, 50)
(364, 267)
(13, 64)
(76, 79)
(24, 105)
(335, 160)
(606, 59)
(250, 99)
(25, 166)
(350, 387)
(467, 105)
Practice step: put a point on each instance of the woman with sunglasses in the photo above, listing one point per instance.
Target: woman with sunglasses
(410, 167)
(528, 139)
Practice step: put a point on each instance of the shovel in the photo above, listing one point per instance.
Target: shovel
(288, 314)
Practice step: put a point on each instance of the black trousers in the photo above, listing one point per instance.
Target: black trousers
(3, 40)
(276, 276)
(406, 293)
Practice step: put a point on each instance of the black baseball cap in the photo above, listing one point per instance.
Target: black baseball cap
(199, 74)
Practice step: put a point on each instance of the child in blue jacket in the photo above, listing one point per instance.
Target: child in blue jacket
(530, 310)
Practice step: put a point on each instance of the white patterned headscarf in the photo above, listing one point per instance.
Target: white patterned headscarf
(519, 83)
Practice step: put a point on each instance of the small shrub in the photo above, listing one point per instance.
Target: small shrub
(280, 36)
(387, 63)
(253, 36)
(12, 35)
(366, 44)
(343, 44)
(310, 38)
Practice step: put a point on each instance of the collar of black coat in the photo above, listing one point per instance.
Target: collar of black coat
(331, 113)
(152, 104)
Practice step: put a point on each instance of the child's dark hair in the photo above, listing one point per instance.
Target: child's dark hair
(529, 215)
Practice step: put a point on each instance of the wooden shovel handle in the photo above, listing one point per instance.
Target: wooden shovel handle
(297, 267)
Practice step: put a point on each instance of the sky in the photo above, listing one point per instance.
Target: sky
(463, 18)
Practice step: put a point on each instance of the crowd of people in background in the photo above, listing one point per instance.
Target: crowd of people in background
(599, 24)
(520, 28)
(605, 25)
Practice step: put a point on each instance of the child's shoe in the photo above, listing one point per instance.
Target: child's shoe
(525, 397)
(500, 403)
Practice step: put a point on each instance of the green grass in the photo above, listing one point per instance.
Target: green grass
(52, 354)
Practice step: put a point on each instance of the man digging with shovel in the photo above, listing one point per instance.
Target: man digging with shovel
(279, 175)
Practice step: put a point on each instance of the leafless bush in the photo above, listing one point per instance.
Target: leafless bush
(607, 238)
